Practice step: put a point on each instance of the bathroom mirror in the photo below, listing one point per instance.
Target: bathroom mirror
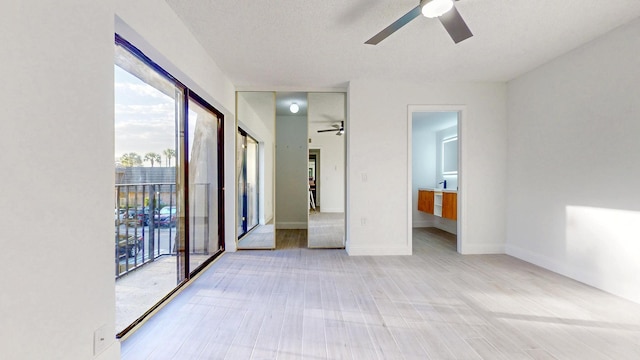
(326, 154)
(450, 156)
(255, 164)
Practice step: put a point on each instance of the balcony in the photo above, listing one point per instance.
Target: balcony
(145, 247)
(147, 233)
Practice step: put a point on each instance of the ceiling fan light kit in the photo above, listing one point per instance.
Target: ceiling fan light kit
(441, 9)
(436, 8)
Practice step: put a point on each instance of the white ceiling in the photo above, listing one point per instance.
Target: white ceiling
(319, 44)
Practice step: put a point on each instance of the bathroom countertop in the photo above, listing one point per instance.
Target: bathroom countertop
(439, 190)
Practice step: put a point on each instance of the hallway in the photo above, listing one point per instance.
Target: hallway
(294, 303)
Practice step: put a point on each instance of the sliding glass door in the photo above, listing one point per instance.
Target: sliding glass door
(205, 162)
(247, 175)
(169, 218)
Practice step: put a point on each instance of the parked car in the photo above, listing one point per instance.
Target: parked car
(142, 215)
(166, 217)
(121, 215)
(130, 245)
(126, 216)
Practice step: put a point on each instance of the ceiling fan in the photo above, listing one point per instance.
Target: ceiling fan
(339, 129)
(442, 9)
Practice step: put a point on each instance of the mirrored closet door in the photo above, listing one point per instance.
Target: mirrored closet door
(326, 170)
(255, 164)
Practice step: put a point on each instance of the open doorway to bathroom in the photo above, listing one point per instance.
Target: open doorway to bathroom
(434, 174)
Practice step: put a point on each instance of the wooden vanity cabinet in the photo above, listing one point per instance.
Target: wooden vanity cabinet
(450, 205)
(425, 201)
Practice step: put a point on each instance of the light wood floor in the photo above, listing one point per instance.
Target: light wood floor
(326, 230)
(262, 237)
(297, 303)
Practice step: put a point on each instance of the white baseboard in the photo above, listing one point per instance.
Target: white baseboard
(482, 249)
(291, 225)
(587, 275)
(377, 251)
(330, 210)
(111, 352)
(536, 259)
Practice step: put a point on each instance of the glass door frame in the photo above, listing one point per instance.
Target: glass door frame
(192, 96)
(243, 175)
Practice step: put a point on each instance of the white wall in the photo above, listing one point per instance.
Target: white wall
(378, 161)
(292, 184)
(423, 172)
(56, 157)
(157, 31)
(260, 124)
(573, 196)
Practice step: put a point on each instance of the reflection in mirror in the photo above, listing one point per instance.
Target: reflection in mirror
(326, 170)
(255, 153)
(291, 169)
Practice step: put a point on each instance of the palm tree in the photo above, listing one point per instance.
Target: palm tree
(152, 158)
(131, 159)
(169, 153)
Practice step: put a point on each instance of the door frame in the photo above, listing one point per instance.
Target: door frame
(462, 162)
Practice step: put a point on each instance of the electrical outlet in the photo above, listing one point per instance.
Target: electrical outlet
(363, 221)
(364, 177)
(100, 340)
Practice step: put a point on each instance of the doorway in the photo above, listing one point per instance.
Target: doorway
(314, 180)
(435, 171)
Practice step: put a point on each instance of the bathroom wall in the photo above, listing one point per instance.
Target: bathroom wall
(423, 160)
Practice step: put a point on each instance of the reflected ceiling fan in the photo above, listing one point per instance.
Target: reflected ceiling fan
(339, 129)
(442, 9)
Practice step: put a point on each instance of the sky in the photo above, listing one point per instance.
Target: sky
(144, 117)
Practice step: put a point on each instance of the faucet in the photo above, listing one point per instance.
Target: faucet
(444, 184)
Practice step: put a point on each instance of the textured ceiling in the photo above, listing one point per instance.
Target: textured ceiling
(312, 44)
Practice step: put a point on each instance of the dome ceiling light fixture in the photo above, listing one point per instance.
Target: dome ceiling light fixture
(436, 8)
(444, 10)
(294, 108)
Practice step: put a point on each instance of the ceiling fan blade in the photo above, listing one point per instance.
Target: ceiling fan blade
(395, 26)
(455, 25)
(328, 130)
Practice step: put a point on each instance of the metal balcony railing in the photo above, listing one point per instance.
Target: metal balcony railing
(145, 224)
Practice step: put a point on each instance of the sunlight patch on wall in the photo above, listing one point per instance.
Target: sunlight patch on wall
(603, 248)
